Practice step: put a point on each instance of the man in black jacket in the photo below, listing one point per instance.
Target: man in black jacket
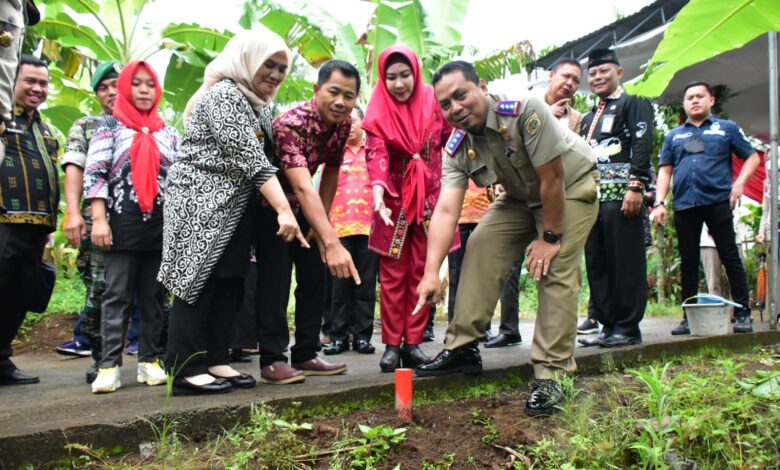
(620, 130)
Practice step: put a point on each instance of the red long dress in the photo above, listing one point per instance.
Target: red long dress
(403, 246)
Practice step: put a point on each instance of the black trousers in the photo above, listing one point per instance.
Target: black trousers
(21, 249)
(719, 220)
(244, 328)
(327, 305)
(353, 305)
(131, 275)
(617, 269)
(199, 335)
(275, 259)
(509, 295)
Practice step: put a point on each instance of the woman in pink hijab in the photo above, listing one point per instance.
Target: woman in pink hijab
(405, 132)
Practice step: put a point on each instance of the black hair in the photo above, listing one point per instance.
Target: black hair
(35, 62)
(345, 68)
(698, 83)
(565, 61)
(466, 68)
(359, 112)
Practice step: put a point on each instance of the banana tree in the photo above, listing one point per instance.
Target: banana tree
(73, 49)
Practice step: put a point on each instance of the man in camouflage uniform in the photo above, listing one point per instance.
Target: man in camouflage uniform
(78, 221)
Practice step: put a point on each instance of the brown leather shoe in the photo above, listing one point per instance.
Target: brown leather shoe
(319, 366)
(280, 373)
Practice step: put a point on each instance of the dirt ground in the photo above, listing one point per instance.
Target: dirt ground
(46, 334)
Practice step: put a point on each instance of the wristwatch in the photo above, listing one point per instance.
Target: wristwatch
(550, 237)
(659, 203)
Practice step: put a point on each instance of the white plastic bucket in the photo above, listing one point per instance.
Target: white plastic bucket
(709, 315)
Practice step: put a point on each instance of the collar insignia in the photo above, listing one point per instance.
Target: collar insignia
(508, 108)
(456, 138)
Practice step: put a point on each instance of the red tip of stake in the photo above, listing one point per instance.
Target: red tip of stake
(403, 394)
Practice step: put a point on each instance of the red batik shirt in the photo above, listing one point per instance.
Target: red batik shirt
(303, 140)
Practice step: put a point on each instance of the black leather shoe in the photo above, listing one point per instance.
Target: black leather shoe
(588, 342)
(428, 335)
(17, 377)
(545, 398)
(744, 324)
(412, 356)
(239, 355)
(391, 359)
(182, 386)
(681, 329)
(239, 381)
(92, 373)
(616, 340)
(465, 359)
(363, 346)
(501, 341)
(336, 346)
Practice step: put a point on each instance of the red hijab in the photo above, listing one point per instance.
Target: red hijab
(144, 152)
(404, 126)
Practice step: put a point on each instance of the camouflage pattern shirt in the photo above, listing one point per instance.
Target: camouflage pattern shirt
(77, 145)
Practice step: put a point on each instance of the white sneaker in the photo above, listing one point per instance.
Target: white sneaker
(151, 373)
(107, 380)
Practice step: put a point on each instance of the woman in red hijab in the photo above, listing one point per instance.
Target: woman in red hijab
(124, 181)
(405, 132)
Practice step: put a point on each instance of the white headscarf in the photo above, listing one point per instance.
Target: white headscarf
(242, 57)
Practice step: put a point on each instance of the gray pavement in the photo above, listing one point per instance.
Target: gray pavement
(63, 403)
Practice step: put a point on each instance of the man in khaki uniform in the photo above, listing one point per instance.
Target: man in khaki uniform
(519, 145)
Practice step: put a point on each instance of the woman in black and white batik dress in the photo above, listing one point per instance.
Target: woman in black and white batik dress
(222, 164)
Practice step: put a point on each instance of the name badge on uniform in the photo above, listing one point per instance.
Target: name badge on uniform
(606, 124)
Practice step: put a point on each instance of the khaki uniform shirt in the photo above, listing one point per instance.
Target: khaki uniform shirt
(518, 138)
(12, 26)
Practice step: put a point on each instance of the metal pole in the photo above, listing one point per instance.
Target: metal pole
(773, 133)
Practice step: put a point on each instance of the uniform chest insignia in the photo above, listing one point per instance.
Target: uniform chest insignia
(502, 129)
(508, 108)
(532, 124)
(456, 138)
(471, 154)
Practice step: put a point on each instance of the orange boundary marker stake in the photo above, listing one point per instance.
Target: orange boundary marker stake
(403, 394)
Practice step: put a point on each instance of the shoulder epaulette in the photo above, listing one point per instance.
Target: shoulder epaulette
(508, 108)
(456, 138)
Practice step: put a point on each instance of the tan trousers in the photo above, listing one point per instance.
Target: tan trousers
(500, 238)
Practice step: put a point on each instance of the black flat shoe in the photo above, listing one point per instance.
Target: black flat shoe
(239, 381)
(465, 360)
(616, 340)
(501, 341)
(17, 377)
(545, 398)
(363, 346)
(238, 355)
(391, 359)
(412, 356)
(182, 386)
(337, 346)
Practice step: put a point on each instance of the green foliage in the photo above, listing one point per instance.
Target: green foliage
(374, 444)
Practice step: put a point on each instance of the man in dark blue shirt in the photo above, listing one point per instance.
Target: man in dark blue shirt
(698, 155)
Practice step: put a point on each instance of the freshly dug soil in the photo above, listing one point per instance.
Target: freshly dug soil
(46, 334)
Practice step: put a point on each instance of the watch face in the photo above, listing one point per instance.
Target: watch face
(550, 237)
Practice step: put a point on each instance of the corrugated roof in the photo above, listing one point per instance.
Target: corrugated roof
(646, 19)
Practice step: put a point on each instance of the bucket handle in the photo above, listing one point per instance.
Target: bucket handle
(712, 296)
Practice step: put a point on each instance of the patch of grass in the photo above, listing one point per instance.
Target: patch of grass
(666, 416)
(68, 295)
(662, 310)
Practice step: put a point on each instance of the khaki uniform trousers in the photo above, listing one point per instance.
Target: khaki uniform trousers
(500, 238)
